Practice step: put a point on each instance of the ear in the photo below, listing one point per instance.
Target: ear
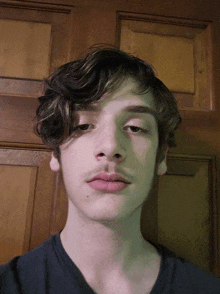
(162, 166)
(54, 163)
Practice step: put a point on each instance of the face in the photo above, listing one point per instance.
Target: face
(108, 165)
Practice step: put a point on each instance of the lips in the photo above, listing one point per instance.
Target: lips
(105, 182)
(110, 178)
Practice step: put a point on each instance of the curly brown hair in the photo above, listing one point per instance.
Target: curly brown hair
(79, 83)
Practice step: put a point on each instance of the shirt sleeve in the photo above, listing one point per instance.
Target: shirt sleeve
(8, 278)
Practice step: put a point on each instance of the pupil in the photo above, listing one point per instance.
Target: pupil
(84, 127)
(135, 129)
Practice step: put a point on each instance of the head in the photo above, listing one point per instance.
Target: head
(117, 139)
(83, 82)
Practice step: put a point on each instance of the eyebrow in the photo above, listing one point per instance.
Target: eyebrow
(128, 109)
(140, 109)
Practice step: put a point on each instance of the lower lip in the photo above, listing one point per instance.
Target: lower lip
(101, 185)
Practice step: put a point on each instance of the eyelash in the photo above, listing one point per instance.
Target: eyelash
(82, 128)
(138, 129)
(86, 127)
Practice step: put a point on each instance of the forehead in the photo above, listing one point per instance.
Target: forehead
(125, 98)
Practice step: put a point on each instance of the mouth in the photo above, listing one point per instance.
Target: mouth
(105, 182)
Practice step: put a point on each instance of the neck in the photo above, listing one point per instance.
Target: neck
(103, 246)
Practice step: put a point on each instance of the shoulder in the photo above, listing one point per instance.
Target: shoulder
(24, 271)
(185, 277)
(201, 281)
(179, 276)
(8, 277)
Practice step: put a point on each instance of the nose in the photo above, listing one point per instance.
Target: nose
(110, 145)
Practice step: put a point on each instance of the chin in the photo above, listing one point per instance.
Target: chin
(109, 213)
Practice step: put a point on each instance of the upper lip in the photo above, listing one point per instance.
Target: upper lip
(110, 178)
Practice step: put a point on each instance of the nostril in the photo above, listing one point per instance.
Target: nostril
(117, 155)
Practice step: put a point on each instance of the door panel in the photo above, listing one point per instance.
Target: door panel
(26, 196)
(181, 213)
(17, 199)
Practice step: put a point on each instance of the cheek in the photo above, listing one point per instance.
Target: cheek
(144, 161)
(75, 157)
(145, 150)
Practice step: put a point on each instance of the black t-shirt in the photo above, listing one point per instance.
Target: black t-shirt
(49, 269)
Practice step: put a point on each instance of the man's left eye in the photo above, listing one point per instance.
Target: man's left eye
(134, 129)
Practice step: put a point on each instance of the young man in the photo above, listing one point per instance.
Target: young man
(109, 122)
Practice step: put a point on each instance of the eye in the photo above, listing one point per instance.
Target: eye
(135, 129)
(83, 127)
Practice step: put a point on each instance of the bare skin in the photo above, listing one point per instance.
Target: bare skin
(113, 258)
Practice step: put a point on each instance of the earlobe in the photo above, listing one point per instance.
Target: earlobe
(54, 163)
(162, 167)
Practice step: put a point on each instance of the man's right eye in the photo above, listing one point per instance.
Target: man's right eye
(83, 127)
